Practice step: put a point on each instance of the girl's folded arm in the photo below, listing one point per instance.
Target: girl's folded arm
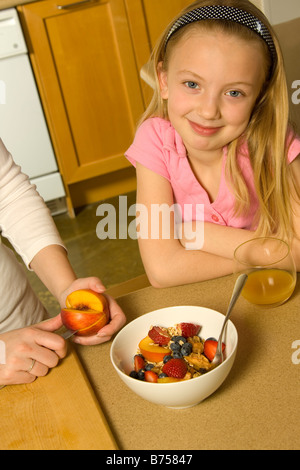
(219, 240)
(222, 240)
(295, 245)
(166, 261)
(169, 264)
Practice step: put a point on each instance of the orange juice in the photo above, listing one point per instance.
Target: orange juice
(269, 287)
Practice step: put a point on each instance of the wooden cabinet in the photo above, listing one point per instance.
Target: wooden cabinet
(88, 79)
(159, 13)
(147, 20)
(87, 56)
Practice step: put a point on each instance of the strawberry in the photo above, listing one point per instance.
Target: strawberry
(150, 376)
(188, 329)
(159, 335)
(175, 368)
(139, 362)
(210, 348)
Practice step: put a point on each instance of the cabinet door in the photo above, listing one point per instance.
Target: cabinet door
(148, 19)
(159, 13)
(88, 79)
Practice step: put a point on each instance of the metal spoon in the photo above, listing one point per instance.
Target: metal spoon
(239, 284)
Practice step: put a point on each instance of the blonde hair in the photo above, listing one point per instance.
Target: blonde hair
(266, 134)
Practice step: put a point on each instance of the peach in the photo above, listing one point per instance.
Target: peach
(86, 312)
(167, 380)
(152, 352)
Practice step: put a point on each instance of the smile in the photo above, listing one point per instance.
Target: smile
(204, 131)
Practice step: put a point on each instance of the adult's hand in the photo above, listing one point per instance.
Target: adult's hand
(30, 352)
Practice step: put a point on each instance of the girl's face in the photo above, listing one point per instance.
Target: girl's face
(212, 83)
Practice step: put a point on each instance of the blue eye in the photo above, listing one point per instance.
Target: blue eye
(192, 85)
(234, 93)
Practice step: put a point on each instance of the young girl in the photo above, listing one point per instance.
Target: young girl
(216, 133)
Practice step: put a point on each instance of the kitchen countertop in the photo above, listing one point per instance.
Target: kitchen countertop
(257, 407)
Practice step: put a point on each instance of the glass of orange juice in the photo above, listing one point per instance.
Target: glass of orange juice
(271, 270)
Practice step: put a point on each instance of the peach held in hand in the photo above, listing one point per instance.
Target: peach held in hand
(86, 312)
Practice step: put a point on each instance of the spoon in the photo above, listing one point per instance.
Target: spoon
(239, 284)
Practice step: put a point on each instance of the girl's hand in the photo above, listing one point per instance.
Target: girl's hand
(117, 320)
(36, 345)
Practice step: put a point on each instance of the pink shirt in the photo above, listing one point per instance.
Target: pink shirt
(160, 148)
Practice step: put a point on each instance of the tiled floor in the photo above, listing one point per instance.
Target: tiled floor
(112, 260)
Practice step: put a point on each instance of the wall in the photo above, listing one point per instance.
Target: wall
(279, 11)
(259, 4)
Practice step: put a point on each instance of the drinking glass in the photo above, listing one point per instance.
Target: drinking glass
(271, 270)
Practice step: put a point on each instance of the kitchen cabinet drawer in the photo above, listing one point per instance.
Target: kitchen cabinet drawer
(85, 67)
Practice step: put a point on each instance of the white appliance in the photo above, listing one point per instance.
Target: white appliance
(23, 127)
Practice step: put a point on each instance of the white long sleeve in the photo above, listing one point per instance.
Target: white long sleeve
(26, 222)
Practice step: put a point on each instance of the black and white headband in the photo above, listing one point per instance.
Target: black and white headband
(222, 12)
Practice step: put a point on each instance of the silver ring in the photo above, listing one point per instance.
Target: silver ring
(32, 365)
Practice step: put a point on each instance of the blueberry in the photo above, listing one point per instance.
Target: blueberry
(177, 339)
(186, 349)
(162, 375)
(134, 374)
(141, 374)
(175, 346)
(149, 366)
(177, 355)
(166, 359)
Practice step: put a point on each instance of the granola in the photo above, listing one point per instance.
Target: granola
(186, 352)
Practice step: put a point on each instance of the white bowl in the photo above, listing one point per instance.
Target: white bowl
(177, 394)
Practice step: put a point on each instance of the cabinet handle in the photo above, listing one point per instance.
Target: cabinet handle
(71, 5)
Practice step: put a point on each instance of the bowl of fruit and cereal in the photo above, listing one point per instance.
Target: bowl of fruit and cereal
(165, 356)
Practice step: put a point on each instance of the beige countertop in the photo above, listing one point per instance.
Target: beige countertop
(257, 407)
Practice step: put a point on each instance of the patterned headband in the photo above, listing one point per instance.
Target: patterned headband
(222, 12)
